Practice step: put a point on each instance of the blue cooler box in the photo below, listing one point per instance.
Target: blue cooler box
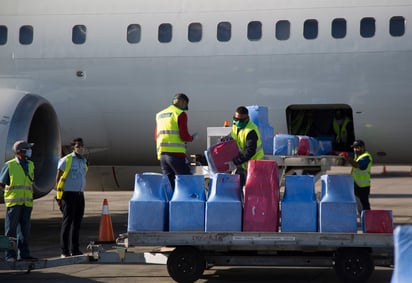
(148, 207)
(338, 205)
(299, 209)
(187, 207)
(224, 205)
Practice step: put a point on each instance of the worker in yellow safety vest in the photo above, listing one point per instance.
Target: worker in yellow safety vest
(247, 137)
(71, 182)
(16, 179)
(342, 130)
(361, 170)
(171, 136)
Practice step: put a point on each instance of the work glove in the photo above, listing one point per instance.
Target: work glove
(226, 138)
(344, 154)
(195, 136)
(231, 166)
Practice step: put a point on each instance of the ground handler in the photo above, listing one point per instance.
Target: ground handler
(361, 172)
(17, 178)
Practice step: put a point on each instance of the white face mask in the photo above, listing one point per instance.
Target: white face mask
(28, 153)
(79, 150)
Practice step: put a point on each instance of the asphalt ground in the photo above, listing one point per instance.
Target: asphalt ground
(391, 190)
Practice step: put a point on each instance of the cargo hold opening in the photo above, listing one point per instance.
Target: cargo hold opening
(332, 122)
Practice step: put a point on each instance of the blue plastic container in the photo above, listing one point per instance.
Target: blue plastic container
(224, 205)
(324, 145)
(259, 115)
(299, 211)
(403, 254)
(148, 207)
(338, 205)
(187, 207)
(285, 144)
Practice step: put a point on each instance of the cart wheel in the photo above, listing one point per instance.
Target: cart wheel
(186, 264)
(354, 265)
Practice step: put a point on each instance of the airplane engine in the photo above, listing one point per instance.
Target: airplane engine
(32, 118)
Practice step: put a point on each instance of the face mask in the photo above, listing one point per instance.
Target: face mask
(240, 124)
(28, 153)
(79, 150)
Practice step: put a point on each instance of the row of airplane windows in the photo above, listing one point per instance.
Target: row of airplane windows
(224, 31)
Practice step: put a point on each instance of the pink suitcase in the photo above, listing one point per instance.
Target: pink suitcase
(261, 208)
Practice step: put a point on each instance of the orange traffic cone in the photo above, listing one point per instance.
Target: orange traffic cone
(106, 234)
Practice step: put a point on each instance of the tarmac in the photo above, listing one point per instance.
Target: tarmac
(391, 190)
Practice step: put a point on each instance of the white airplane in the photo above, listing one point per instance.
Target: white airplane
(100, 70)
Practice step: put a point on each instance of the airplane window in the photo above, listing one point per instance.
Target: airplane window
(310, 29)
(224, 31)
(79, 34)
(3, 35)
(367, 28)
(282, 30)
(194, 33)
(254, 30)
(397, 26)
(26, 35)
(165, 33)
(338, 28)
(133, 33)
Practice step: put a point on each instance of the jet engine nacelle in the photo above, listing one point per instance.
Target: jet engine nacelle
(32, 118)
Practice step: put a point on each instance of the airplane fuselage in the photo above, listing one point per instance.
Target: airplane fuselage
(107, 89)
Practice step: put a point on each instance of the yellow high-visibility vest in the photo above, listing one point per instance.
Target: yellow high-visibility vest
(341, 131)
(60, 184)
(168, 134)
(362, 178)
(240, 138)
(20, 190)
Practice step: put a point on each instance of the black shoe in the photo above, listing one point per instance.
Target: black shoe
(77, 253)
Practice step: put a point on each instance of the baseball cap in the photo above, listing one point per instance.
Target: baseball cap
(20, 145)
(358, 143)
(181, 96)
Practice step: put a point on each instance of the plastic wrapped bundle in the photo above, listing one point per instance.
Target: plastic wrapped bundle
(377, 221)
(148, 207)
(187, 207)
(338, 204)
(403, 254)
(224, 205)
(299, 211)
(261, 208)
(285, 144)
(259, 115)
(218, 154)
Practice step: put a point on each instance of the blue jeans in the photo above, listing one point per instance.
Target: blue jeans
(173, 165)
(17, 225)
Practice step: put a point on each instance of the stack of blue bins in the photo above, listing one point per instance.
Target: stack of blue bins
(148, 207)
(260, 116)
(224, 205)
(299, 208)
(403, 254)
(338, 204)
(187, 206)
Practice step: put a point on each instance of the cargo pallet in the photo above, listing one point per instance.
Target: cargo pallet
(352, 255)
(288, 164)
